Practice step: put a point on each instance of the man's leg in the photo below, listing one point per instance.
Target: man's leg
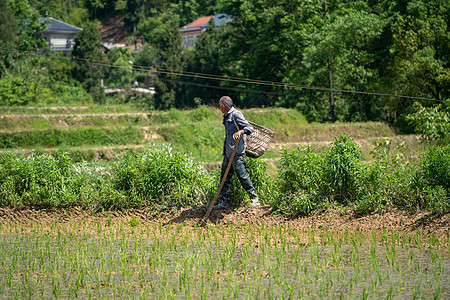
(240, 168)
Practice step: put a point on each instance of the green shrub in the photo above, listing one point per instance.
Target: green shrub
(298, 204)
(299, 181)
(434, 167)
(433, 123)
(161, 178)
(45, 181)
(16, 91)
(300, 170)
(70, 95)
(201, 113)
(437, 200)
(342, 169)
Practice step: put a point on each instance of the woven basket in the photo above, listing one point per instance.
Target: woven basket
(258, 141)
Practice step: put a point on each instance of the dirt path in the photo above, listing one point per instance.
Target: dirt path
(395, 221)
(364, 143)
(76, 116)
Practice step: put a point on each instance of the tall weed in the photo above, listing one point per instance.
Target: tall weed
(161, 177)
(342, 169)
(300, 181)
(434, 167)
(44, 181)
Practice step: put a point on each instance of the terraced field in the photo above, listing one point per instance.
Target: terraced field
(100, 133)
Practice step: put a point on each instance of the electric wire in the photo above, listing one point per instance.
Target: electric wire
(216, 77)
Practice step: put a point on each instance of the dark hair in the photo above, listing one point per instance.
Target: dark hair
(226, 100)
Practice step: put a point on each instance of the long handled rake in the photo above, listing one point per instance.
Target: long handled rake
(202, 222)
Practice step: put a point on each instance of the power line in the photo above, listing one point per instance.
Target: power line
(217, 77)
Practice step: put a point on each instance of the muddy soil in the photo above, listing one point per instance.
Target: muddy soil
(394, 221)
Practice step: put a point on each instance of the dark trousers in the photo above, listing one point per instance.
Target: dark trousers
(239, 167)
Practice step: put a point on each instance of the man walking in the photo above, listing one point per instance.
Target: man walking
(235, 126)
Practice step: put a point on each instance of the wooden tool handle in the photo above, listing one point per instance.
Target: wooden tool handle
(202, 222)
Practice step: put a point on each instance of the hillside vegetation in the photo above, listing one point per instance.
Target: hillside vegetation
(153, 159)
(341, 61)
(92, 132)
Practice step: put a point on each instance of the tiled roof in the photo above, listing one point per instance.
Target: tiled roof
(200, 22)
(59, 26)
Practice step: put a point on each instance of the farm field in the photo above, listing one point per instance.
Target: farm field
(349, 211)
(91, 133)
(240, 254)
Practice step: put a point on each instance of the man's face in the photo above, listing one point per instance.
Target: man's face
(223, 108)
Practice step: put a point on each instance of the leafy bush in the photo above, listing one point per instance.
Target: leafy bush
(434, 167)
(433, 123)
(299, 204)
(342, 169)
(300, 181)
(16, 91)
(300, 170)
(437, 200)
(161, 178)
(45, 181)
(70, 95)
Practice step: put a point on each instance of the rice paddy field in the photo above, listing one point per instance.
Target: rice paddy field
(245, 254)
(88, 223)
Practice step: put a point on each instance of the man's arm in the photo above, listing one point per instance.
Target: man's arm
(244, 126)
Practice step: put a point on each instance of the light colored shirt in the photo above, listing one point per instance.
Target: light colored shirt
(230, 129)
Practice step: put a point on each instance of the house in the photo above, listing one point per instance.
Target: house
(108, 46)
(193, 30)
(60, 36)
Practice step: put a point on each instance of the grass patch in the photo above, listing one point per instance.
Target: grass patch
(73, 137)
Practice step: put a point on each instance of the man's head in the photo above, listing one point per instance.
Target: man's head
(225, 103)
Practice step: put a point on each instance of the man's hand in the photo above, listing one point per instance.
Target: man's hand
(238, 134)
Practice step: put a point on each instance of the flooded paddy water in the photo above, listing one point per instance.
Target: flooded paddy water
(131, 256)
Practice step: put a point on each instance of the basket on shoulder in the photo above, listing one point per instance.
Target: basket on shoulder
(258, 141)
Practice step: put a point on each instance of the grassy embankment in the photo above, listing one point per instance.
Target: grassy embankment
(152, 175)
(99, 133)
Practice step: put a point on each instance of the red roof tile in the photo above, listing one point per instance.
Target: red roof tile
(199, 22)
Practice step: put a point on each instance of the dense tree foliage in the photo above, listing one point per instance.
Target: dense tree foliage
(90, 61)
(304, 54)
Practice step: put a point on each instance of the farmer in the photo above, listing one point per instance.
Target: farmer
(235, 126)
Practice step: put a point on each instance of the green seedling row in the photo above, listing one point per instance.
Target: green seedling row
(135, 258)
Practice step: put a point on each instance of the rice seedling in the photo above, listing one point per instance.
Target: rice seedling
(152, 260)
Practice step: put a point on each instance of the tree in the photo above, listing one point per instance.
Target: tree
(343, 47)
(152, 30)
(8, 26)
(187, 10)
(134, 12)
(29, 38)
(8, 34)
(99, 8)
(206, 58)
(419, 53)
(89, 61)
(167, 85)
(433, 123)
(121, 71)
(146, 57)
(267, 42)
